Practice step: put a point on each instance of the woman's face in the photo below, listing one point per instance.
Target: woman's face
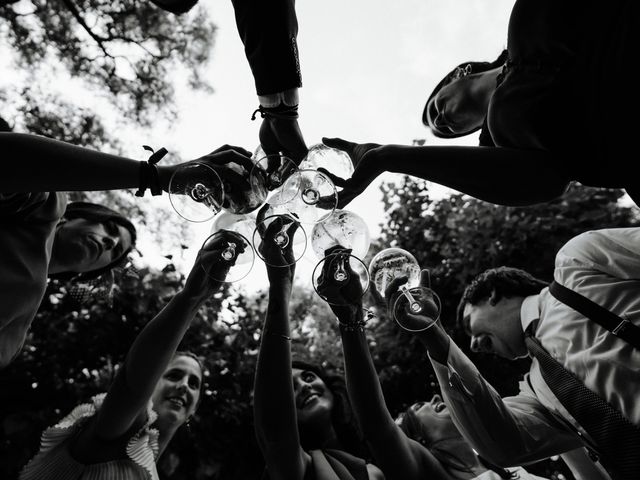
(177, 393)
(314, 400)
(83, 245)
(457, 108)
(436, 419)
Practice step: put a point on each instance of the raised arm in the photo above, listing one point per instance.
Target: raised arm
(507, 432)
(398, 456)
(32, 163)
(505, 176)
(274, 403)
(156, 344)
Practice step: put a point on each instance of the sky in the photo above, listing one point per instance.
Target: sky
(367, 68)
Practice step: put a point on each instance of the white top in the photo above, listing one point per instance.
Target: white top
(54, 461)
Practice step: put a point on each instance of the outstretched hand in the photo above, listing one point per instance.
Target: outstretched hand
(367, 166)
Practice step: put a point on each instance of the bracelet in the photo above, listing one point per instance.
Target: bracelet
(358, 325)
(149, 176)
(286, 337)
(281, 111)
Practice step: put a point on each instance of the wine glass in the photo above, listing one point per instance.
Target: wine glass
(196, 192)
(290, 232)
(314, 196)
(339, 242)
(343, 228)
(268, 177)
(333, 160)
(340, 278)
(234, 231)
(392, 263)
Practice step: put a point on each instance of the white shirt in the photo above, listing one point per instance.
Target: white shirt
(604, 266)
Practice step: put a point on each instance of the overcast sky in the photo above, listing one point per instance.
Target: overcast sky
(367, 69)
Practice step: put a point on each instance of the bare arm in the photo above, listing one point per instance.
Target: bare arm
(398, 456)
(274, 403)
(505, 176)
(153, 348)
(32, 163)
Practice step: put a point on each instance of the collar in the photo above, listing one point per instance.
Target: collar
(529, 311)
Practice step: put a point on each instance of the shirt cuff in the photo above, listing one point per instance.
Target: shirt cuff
(287, 97)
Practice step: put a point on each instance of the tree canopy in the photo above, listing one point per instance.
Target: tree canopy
(124, 49)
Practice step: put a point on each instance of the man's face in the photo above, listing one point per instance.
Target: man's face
(496, 328)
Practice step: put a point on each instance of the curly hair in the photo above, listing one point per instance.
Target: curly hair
(497, 283)
(98, 213)
(342, 416)
(466, 68)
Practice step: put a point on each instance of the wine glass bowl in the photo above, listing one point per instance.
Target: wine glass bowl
(343, 228)
(196, 192)
(392, 263)
(340, 278)
(268, 177)
(333, 160)
(315, 197)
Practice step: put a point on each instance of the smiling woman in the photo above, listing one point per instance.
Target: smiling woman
(122, 433)
(303, 418)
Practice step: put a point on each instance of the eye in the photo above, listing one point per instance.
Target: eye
(111, 227)
(194, 383)
(308, 377)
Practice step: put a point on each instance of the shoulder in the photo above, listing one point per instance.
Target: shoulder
(596, 248)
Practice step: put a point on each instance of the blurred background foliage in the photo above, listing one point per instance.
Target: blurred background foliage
(73, 350)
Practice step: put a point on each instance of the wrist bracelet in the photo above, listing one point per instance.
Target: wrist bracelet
(357, 325)
(149, 176)
(281, 111)
(282, 335)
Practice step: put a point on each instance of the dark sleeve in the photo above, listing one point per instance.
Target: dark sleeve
(268, 29)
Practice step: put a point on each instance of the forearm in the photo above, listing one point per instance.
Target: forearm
(436, 341)
(40, 164)
(364, 387)
(503, 176)
(274, 405)
(507, 432)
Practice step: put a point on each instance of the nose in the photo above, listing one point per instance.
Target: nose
(480, 343)
(109, 241)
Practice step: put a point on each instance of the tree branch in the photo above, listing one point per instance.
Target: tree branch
(76, 14)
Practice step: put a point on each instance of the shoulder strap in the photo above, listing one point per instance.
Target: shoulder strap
(620, 327)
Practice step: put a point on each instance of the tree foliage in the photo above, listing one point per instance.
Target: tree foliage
(127, 49)
(73, 351)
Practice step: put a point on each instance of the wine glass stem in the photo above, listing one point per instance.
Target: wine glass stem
(341, 274)
(414, 305)
(229, 252)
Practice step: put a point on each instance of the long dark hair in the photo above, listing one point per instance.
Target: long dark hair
(97, 213)
(466, 68)
(342, 417)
